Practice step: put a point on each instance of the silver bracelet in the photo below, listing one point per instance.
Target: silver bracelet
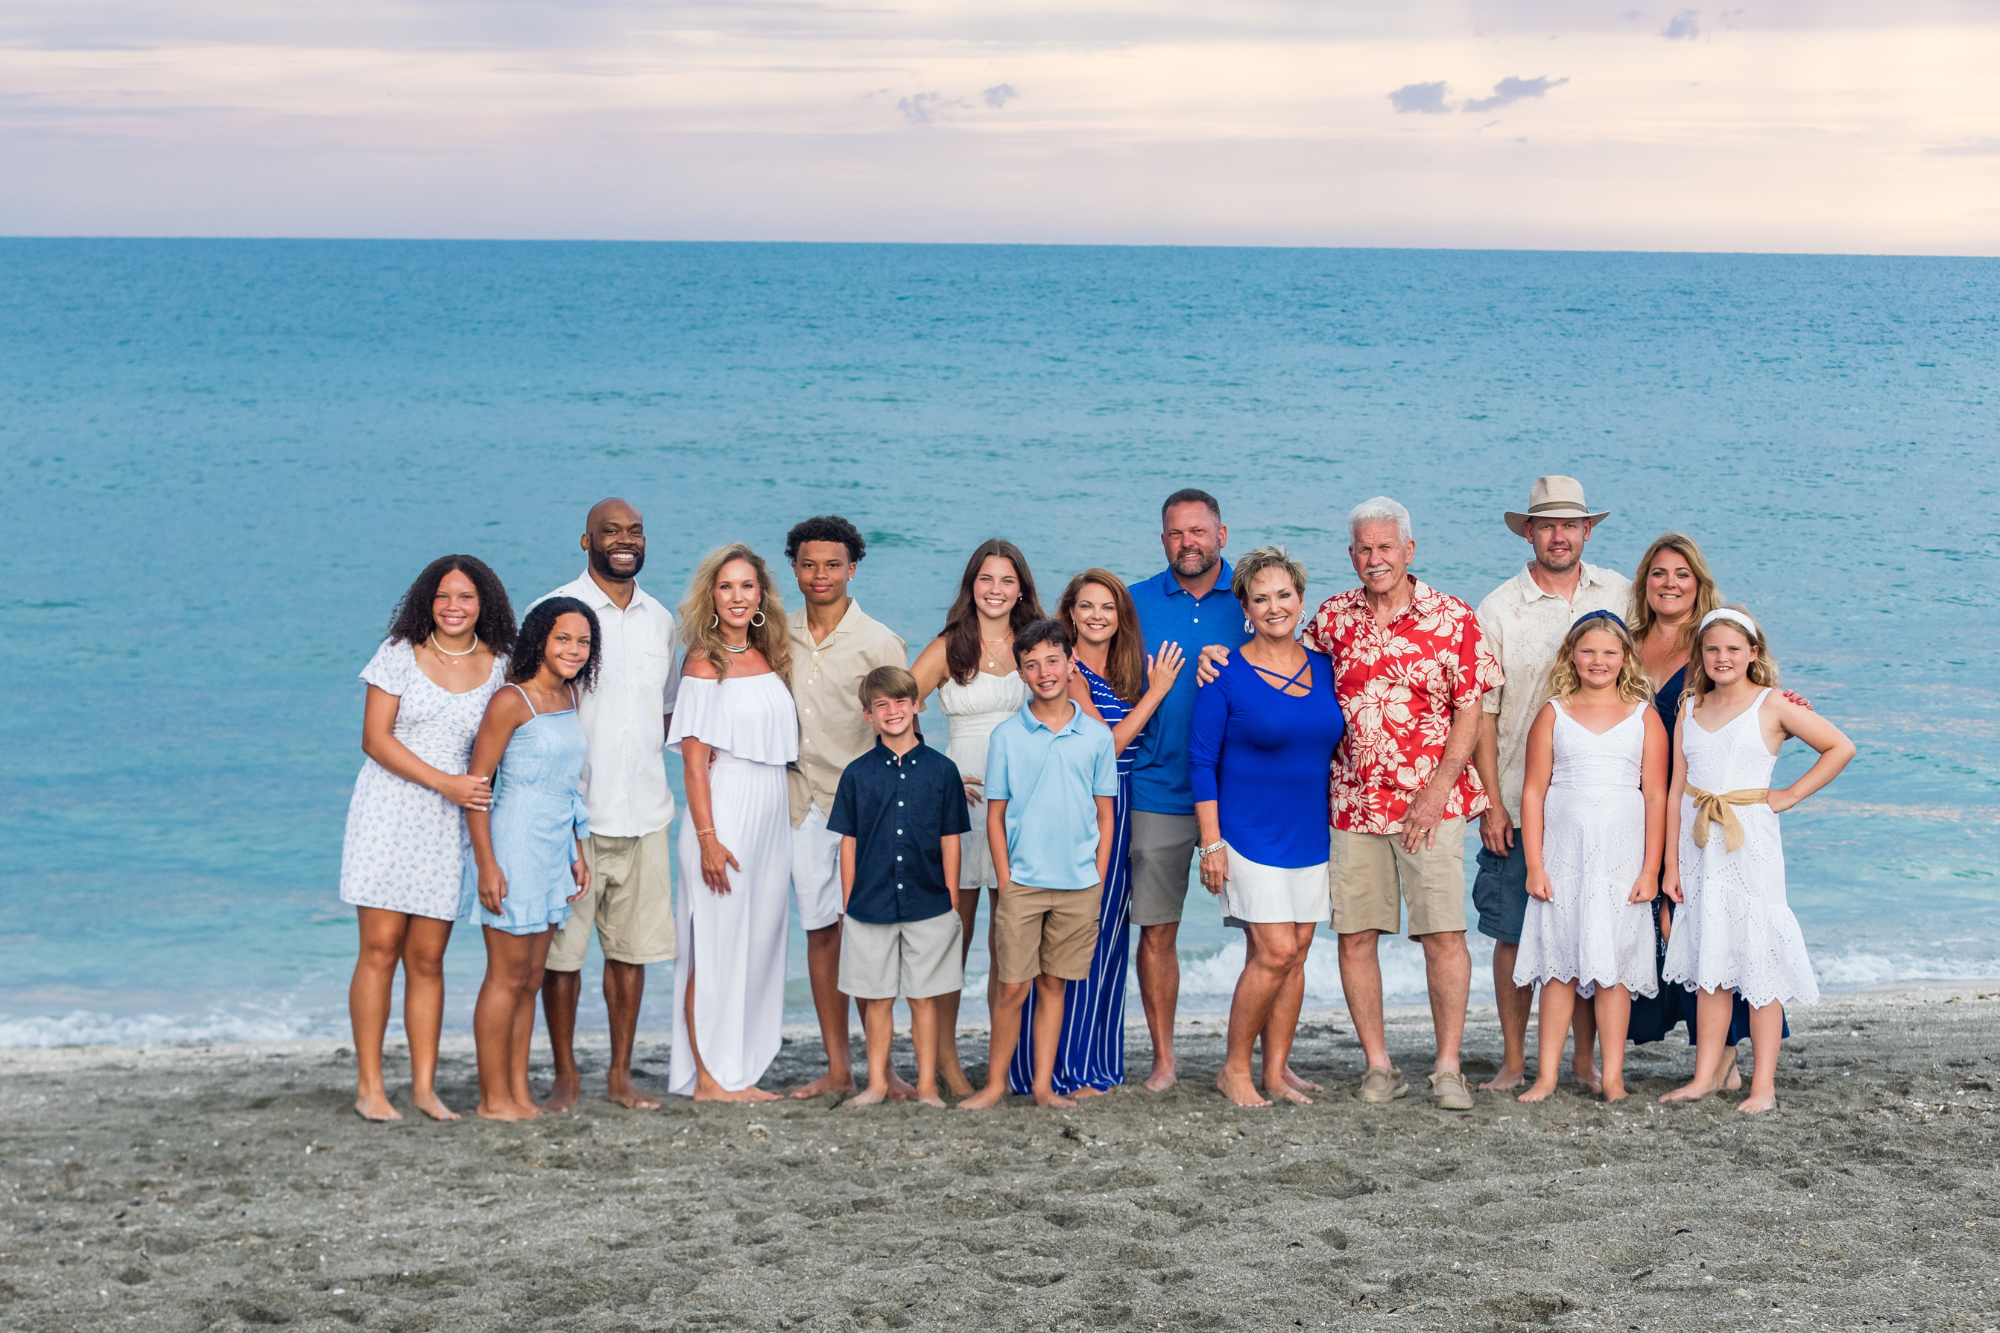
(1202, 853)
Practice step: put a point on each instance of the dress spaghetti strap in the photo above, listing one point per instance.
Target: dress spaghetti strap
(524, 698)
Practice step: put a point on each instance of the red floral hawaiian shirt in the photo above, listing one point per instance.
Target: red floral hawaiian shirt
(1399, 688)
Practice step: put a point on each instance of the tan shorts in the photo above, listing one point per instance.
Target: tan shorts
(1044, 932)
(630, 901)
(923, 956)
(1369, 872)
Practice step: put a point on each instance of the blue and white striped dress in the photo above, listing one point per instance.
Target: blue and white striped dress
(1091, 1052)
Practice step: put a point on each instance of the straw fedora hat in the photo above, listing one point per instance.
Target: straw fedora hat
(1554, 497)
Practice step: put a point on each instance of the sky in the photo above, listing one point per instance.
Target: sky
(1865, 126)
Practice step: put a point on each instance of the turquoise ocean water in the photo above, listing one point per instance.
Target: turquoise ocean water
(221, 462)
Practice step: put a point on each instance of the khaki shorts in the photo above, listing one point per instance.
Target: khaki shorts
(922, 956)
(1044, 932)
(1369, 872)
(630, 901)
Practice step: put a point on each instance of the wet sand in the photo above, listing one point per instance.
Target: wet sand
(231, 1187)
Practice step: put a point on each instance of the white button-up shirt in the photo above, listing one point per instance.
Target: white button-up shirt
(1525, 628)
(624, 717)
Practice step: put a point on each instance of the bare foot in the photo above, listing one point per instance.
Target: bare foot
(1298, 1084)
(1239, 1089)
(1614, 1090)
(429, 1104)
(1757, 1105)
(955, 1082)
(1087, 1091)
(1734, 1079)
(375, 1106)
(1290, 1093)
(985, 1099)
(618, 1088)
(1054, 1100)
(507, 1111)
(899, 1091)
(1506, 1080)
(1538, 1093)
(1589, 1076)
(931, 1099)
(563, 1096)
(1162, 1077)
(825, 1083)
(869, 1096)
(1689, 1092)
(720, 1094)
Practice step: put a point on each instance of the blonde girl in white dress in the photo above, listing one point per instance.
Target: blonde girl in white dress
(971, 666)
(735, 728)
(1725, 860)
(1593, 829)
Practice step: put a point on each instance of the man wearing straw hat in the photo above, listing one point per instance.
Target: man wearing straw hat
(1524, 620)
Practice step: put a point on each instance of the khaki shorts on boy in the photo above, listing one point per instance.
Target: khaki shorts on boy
(1371, 877)
(630, 901)
(922, 956)
(1044, 932)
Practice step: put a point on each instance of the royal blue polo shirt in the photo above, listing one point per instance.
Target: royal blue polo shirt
(1160, 782)
(1049, 780)
(899, 809)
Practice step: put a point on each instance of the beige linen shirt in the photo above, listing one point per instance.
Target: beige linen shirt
(624, 716)
(826, 684)
(1525, 627)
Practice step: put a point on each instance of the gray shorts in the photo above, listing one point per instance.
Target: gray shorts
(1162, 854)
(921, 955)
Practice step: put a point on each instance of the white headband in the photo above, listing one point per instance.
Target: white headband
(1724, 613)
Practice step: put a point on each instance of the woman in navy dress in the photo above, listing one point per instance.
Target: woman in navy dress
(1117, 683)
(1265, 730)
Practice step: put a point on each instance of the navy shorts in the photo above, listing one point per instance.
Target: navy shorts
(1500, 892)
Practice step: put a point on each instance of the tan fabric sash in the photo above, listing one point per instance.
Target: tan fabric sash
(1709, 806)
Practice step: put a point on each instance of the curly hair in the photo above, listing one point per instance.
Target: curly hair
(1564, 681)
(825, 528)
(961, 625)
(1706, 595)
(701, 628)
(1763, 670)
(1125, 658)
(412, 623)
(536, 627)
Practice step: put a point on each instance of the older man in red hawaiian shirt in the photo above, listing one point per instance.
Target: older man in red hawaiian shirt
(1411, 666)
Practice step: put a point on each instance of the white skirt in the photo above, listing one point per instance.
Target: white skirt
(1266, 895)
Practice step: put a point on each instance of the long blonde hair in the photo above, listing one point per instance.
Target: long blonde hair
(1763, 670)
(701, 631)
(1706, 596)
(1633, 687)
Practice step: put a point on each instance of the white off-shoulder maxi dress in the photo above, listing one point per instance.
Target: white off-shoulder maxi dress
(735, 941)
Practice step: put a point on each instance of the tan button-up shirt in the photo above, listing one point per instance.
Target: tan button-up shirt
(1525, 627)
(826, 684)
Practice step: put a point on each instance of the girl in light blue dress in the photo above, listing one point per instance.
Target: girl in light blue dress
(527, 857)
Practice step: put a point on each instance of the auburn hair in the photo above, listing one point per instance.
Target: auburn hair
(1125, 658)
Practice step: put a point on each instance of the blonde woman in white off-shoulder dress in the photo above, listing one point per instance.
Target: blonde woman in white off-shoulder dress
(971, 666)
(735, 728)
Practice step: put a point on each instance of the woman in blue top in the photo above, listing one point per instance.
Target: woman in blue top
(1121, 686)
(1264, 734)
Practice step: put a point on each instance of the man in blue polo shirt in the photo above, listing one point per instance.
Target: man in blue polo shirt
(1189, 604)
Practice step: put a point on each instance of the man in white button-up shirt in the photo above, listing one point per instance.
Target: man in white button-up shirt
(625, 719)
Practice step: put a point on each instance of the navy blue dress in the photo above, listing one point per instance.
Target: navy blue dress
(1091, 1050)
(1653, 1019)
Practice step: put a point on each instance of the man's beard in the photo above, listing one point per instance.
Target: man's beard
(1548, 562)
(1204, 559)
(600, 561)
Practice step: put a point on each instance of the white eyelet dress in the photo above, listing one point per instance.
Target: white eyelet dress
(974, 710)
(735, 942)
(1735, 931)
(1593, 848)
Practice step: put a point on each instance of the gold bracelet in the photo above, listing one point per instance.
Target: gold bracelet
(703, 832)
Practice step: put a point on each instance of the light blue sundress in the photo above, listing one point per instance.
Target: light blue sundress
(538, 816)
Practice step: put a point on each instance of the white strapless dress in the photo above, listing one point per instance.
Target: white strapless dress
(973, 711)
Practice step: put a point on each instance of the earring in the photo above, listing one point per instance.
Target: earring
(1248, 628)
(758, 620)
(715, 621)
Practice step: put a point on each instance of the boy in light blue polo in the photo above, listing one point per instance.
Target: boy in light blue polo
(1051, 782)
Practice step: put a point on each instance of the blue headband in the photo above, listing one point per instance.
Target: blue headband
(1599, 615)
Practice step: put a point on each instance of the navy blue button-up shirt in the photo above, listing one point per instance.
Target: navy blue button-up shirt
(898, 810)
(1160, 782)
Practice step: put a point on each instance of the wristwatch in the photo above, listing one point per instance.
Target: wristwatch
(1216, 846)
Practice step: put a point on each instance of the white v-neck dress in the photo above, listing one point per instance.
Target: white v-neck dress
(735, 942)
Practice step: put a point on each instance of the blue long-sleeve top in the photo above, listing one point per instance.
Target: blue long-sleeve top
(1264, 757)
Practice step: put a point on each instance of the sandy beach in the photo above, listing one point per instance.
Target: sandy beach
(231, 1187)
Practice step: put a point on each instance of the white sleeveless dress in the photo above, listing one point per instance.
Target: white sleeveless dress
(974, 710)
(1734, 931)
(1593, 847)
(735, 941)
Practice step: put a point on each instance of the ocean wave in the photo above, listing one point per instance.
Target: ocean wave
(83, 1027)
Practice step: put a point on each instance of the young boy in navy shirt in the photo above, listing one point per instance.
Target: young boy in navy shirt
(899, 810)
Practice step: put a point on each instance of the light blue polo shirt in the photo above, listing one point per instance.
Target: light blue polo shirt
(1049, 779)
(1160, 782)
